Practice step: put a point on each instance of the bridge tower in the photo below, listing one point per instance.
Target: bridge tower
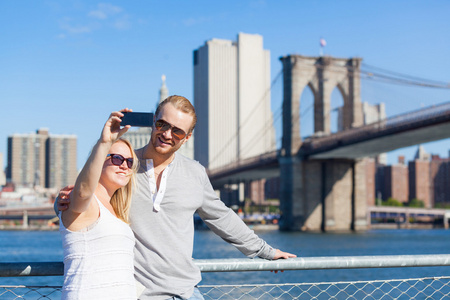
(327, 195)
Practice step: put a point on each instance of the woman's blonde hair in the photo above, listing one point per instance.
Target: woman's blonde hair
(121, 199)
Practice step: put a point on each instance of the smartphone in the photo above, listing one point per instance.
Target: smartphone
(139, 119)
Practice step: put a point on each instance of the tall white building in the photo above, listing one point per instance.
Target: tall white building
(163, 91)
(232, 100)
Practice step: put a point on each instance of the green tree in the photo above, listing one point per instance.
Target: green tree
(416, 203)
(442, 205)
(392, 202)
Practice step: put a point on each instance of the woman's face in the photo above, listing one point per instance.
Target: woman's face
(116, 176)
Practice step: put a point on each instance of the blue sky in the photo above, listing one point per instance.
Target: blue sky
(65, 65)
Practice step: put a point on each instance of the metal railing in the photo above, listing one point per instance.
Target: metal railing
(411, 288)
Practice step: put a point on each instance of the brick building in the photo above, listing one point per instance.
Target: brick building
(394, 181)
(440, 180)
(419, 181)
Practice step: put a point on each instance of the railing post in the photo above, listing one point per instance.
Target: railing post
(446, 217)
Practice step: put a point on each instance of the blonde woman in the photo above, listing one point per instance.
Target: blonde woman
(97, 240)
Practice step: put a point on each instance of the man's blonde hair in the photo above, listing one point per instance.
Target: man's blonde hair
(180, 103)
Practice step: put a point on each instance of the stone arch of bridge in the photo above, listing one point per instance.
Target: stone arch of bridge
(321, 75)
(320, 194)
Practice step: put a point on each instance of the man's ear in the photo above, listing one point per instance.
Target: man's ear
(188, 136)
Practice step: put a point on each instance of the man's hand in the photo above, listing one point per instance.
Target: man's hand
(280, 254)
(63, 199)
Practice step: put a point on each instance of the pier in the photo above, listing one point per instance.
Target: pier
(25, 214)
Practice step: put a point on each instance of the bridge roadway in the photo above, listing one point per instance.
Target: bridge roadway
(413, 128)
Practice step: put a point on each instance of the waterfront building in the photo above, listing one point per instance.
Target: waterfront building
(428, 178)
(2, 172)
(41, 159)
(61, 165)
(440, 180)
(394, 181)
(419, 177)
(232, 100)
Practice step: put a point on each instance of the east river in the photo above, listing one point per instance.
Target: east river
(42, 246)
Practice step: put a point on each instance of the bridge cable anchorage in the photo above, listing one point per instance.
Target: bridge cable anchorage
(262, 130)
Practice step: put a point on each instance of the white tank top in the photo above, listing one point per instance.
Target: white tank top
(98, 262)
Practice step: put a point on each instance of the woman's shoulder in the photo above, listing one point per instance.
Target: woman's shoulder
(76, 221)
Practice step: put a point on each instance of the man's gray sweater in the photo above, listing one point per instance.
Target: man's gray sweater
(165, 238)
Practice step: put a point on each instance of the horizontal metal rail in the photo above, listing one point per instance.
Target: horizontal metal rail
(240, 265)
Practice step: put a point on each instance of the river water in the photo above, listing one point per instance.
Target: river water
(41, 246)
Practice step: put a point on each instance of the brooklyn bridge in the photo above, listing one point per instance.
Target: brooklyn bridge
(322, 177)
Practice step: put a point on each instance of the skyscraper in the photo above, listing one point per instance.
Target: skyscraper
(163, 91)
(232, 100)
(41, 159)
(61, 167)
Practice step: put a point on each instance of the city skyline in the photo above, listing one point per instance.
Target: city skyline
(67, 69)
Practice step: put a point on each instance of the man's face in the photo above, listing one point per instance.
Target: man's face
(164, 141)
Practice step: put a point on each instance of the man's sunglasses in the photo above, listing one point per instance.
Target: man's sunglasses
(164, 126)
(118, 160)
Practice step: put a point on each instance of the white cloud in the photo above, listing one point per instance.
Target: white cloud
(105, 15)
(122, 23)
(195, 21)
(67, 25)
(104, 11)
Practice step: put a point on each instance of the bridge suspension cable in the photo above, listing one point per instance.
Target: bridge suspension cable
(376, 73)
(367, 72)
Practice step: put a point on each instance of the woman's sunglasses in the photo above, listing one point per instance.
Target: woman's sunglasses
(118, 160)
(164, 126)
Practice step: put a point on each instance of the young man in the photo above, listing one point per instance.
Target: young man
(170, 189)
